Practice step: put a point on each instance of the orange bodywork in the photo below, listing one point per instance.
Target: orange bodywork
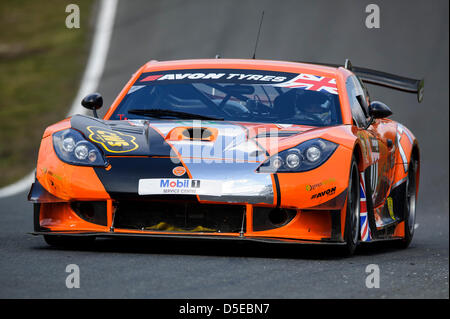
(71, 183)
(67, 181)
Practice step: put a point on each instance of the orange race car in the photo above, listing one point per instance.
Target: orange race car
(233, 149)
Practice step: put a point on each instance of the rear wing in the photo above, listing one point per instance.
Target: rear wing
(388, 80)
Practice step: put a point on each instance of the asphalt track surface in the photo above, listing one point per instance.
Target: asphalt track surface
(412, 41)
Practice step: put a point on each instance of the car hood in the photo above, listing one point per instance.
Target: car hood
(190, 139)
(147, 157)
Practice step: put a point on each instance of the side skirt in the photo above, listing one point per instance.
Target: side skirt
(393, 211)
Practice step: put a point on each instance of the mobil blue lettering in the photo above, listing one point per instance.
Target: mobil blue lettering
(184, 183)
(166, 183)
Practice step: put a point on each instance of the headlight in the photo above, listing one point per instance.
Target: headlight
(277, 162)
(313, 154)
(72, 148)
(293, 160)
(303, 157)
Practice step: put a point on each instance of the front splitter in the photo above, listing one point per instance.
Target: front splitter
(192, 237)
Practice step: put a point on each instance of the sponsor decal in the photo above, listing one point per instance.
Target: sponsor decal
(312, 82)
(46, 171)
(214, 76)
(366, 234)
(390, 205)
(179, 171)
(167, 186)
(241, 76)
(312, 187)
(328, 192)
(374, 178)
(281, 79)
(374, 167)
(112, 141)
(151, 78)
(374, 143)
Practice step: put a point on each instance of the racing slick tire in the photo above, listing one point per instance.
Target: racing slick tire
(410, 198)
(68, 241)
(351, 234)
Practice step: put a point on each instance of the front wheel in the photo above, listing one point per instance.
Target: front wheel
(351, 234)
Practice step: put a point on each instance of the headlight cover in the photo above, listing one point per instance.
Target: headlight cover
(72, 148)
(301, 158)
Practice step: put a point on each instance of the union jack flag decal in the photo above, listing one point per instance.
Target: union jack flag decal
(311, 82)
(363, 221)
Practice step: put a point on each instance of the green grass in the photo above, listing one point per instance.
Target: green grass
(41, 64)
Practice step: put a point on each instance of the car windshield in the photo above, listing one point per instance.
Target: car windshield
(233, 95)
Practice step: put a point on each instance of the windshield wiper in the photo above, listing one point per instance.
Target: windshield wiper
(160, 113)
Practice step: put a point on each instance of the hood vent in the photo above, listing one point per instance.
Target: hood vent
(126, 128)
(277, 134)
(197, 134)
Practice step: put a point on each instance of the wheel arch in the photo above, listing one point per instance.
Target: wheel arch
(407, 149)
(357, 152)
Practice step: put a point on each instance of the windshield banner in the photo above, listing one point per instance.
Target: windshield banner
(279, 79)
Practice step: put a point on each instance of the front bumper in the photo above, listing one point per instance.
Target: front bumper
(311, 218)
(188, 220)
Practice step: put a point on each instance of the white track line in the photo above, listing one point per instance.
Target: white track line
(91, 77)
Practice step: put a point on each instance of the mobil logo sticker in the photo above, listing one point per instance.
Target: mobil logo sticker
(179, 183)
(156, 186)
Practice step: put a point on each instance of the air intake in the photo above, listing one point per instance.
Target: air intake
(197, 133)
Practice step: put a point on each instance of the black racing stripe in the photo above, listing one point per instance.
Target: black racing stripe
(157, 144)
(149, 141)
(277, 187)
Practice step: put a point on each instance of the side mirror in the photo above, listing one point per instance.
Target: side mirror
(379, 110)
(93, 102)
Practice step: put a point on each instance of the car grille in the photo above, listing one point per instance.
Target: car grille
(179, 216)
